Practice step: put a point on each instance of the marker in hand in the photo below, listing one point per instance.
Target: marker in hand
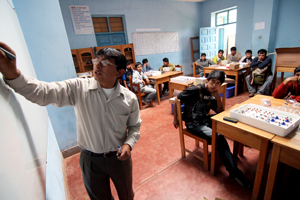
(120, 150)
(8, 54)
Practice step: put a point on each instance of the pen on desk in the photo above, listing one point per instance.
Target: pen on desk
(8, 54)
(120, 150)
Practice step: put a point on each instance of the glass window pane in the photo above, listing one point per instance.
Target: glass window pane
(232, 16)
(222, 18)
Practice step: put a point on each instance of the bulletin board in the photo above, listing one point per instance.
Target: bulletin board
(155, 42)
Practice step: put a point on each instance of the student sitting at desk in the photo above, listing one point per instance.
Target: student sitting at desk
(125, 77)
(260, 65)
(289, 85)
(171, 67)
(234, 56)
(146, 66)
(203, 62)
(217, 59)
(140, 78)
(198, 100)
(247, 58)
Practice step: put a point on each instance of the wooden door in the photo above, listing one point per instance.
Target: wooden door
(85, 56)
(128, 51)
(208, 41)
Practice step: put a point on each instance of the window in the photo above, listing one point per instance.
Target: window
(226, 17)
(108, 24)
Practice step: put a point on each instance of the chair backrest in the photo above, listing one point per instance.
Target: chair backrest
(130, 81)
(194, 70)
(178, 66)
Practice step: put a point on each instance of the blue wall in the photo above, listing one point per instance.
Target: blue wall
(183, 17)
(45, 34)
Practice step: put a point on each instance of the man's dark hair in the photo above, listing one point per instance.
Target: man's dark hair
(220, 51)
(262, 51)
(166, 59)
(297, 70)
(233, 49)
(203, 54)
(217, 74)
(108, 53)
(248, 51)
(145, 61)
(137, 64)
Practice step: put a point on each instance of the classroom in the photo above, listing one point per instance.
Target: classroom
(39, 148)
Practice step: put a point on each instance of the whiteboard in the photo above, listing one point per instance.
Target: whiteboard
(155, 42)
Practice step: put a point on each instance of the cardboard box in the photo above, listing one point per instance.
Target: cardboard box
(201, 80)
(233, 66)
(288, 56)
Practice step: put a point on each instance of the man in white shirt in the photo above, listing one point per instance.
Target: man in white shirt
(104, 111)
(233, 56)
(247, 58)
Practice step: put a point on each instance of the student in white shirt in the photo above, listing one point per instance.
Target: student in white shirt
(247, 58)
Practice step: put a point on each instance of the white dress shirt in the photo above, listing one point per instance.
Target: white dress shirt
(101, 123)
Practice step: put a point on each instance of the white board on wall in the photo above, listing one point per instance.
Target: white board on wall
(155, 42)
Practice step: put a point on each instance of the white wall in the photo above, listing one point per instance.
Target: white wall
(24, 126)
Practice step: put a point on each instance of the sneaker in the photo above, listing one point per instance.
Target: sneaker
(243, 181)
(251, 94)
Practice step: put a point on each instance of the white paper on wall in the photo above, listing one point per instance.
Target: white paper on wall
(82, 20)
(259, 25)
(155, 42)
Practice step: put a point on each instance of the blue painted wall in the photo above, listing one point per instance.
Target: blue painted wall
(244, 19)
(45, 34)
(55, 180)
(183, 17)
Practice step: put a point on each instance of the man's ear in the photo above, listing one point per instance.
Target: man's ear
(120, 72)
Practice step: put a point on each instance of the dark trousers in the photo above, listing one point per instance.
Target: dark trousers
(204, 131)
(166, 86)
(97, 172)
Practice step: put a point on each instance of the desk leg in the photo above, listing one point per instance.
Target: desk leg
(264, 146)
(170, 90)
(213, 147)
(274, 79)
(236, 84)
(282, 74)
(158, 92)
(272, 171)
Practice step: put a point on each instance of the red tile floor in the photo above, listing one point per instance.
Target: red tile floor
(159, 171)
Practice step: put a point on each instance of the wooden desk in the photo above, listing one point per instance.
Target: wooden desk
(182, 86)
(229, 72)
(285, 150)
(244, 134)
(163, 78)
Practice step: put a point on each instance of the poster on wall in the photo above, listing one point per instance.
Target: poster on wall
(82, 20)
(155, 42)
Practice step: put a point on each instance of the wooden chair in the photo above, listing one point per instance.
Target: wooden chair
(139, 94)
(178, 66)
(194, 71)
(183, 131)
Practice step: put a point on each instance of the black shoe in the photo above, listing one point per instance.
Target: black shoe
(243, 181)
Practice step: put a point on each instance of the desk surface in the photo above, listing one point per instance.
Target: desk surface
(166, 74)
(224, 68)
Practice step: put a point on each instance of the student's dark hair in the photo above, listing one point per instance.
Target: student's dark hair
(127, 63)
(262, 51)
(108, 53)
(217, 74)
(145, 60)
(233, 49)
(220, 51)
(166, 59)
(297, 70)
(137, 64)
(248, 51)
(203, 54)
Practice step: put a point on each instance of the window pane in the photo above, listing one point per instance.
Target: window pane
(100, 24)
(232, 16)
(116, 24)
(222, 18)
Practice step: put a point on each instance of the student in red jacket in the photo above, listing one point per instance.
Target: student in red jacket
(289, 85)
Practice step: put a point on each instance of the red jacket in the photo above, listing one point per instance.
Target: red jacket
(283, 90)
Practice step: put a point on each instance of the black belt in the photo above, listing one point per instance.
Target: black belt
(104, 155)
